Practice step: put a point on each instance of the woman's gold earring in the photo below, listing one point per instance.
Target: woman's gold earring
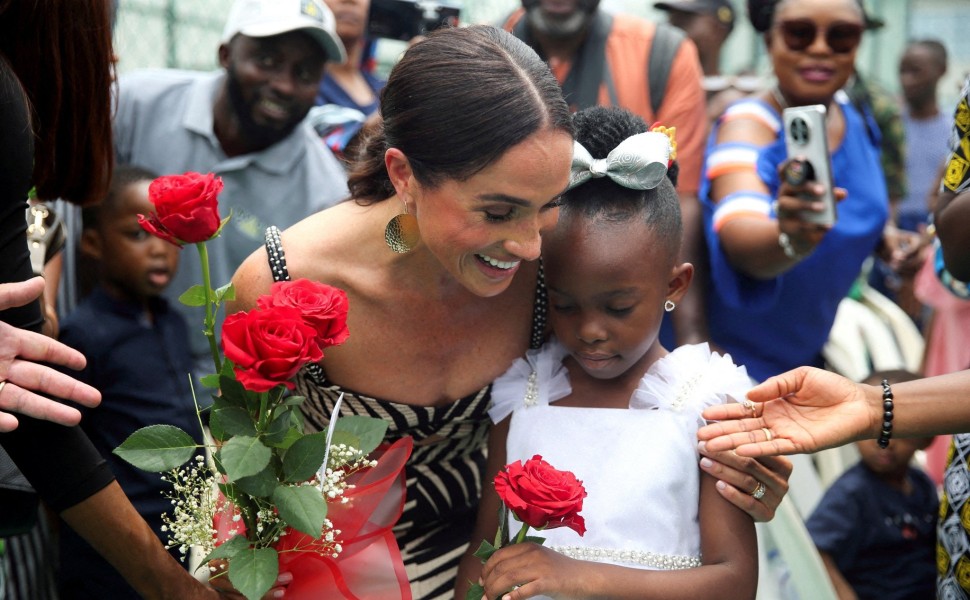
(669, 305)
(401, 233)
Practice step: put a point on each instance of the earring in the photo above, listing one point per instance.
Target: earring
(669, 305)
(401, 233)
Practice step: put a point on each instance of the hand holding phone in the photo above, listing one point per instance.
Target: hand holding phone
(805, 140)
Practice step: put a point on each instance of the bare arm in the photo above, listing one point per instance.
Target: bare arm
(486, 524)
(109, 522)
(842, 587)
(952, 222)
(729, 570)
(808, 409)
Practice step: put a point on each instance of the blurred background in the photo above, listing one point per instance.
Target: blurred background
(185, 34)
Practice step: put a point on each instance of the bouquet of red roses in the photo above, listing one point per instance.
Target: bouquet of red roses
(269, 497)
(540, 497)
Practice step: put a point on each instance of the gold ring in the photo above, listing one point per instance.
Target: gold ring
(767, 434)
(759, 491)
(2, 383)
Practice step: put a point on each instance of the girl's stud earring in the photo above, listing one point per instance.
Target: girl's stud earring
(669, 305)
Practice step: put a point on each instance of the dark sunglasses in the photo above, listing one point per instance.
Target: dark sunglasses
(799, 34)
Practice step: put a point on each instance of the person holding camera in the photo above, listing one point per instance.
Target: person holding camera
(777, 275)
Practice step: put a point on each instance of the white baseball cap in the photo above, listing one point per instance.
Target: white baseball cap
(265, 18)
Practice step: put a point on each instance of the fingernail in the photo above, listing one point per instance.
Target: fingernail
(285, 577)
(701, 446)
(279, 593)
(720, 485)
(707, 463)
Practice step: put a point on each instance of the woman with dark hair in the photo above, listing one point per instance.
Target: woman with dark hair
(55, 134)
(778, 277)
(437, 251)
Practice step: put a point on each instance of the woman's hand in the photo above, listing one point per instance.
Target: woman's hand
(804, 410)
(740, 480)
(796, 205)
(23, 378)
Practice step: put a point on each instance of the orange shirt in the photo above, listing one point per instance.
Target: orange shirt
(683, 106)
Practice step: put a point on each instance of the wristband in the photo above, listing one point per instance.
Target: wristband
(887, 415)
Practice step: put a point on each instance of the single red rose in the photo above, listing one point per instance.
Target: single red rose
(322, 306)
(186, 208)
(541, 496)
(269, 346)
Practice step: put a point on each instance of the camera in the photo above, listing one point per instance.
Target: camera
(407, 19)
(806, 141)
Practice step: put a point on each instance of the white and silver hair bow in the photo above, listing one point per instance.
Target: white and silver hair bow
(638, 162)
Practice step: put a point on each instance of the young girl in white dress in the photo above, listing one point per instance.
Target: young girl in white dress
(603, 399)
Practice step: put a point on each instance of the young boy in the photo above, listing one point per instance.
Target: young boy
(137, 356)
(876, 525)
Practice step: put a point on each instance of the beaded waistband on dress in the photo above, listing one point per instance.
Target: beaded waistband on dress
(666, 562)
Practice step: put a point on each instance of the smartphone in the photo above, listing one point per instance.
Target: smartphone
(805, 139)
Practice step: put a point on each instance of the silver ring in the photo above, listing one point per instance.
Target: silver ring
(767, 434)
(759, 492)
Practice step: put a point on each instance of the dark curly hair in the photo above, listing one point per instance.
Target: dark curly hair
(601, 129)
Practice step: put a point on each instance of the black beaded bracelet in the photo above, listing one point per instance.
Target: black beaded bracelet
(887, 415)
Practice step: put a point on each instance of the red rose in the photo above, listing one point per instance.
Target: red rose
(186, 208)
(269, 346)
(541, 496)
(322, 306)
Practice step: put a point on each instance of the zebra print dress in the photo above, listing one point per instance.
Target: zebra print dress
(444, 473)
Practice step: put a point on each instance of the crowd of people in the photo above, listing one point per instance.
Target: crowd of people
(604, 221)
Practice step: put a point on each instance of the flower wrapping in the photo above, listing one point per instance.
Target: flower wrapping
(369, 566)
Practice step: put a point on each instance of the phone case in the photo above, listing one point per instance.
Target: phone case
(805, 138)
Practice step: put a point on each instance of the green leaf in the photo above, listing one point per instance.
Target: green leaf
(233, 391)
(210, 381)
(233, 420)
(254, 571)
(229, 549)
(294, 400)
(535, 539)
(243, 456)
(194, 296)
(302, 507)
(226, 292)
(260, 485)
(369, 430)
(305, 457)
(485, 550)
(475, 592)
(278, 427)
(157, 448)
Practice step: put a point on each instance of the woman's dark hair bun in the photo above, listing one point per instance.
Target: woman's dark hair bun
(761, 13)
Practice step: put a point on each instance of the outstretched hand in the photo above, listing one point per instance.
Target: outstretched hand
(23, 379)
(803, 410)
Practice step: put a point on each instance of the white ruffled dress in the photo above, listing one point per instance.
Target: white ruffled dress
(639, 466)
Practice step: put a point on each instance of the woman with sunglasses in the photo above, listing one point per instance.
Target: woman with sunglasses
(777, 277)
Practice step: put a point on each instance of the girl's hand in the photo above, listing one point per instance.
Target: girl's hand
(521, 571)
(804, 410)
(739, 480)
